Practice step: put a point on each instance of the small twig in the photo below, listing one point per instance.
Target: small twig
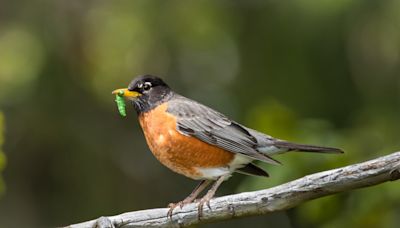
(282, 197)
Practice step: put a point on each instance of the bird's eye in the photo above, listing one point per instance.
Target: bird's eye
(146, 86)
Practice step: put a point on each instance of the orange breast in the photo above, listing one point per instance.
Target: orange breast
(182, 154)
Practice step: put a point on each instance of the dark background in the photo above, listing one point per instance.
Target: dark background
(321, 72)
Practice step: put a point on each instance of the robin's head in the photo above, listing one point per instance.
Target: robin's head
(146, 92)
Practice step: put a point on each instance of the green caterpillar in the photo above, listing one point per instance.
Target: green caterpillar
(119, 99)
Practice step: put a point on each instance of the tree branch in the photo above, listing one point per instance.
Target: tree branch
(278, 198)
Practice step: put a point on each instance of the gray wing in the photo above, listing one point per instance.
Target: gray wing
(212, 127)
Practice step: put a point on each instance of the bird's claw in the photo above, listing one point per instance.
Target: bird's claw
(204, 200)
(171, 209)
(180, 204)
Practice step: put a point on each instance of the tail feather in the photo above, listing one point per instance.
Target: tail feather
(251, 169)
(306, 148)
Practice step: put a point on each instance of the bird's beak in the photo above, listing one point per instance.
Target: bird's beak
(126, 93)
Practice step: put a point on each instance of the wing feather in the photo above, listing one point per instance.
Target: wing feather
(214, 128)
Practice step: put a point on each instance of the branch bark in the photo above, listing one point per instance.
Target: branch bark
(282, 197)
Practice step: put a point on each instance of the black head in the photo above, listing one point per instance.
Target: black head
(149, 91)
(145, 83)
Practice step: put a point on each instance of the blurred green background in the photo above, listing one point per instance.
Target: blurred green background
(322, 72)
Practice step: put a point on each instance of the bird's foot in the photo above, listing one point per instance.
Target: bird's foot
(207, 197)
(205, 200)
(180, 204)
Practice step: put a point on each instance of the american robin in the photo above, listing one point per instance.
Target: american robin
(199, 142)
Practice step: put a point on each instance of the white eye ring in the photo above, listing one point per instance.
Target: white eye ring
(147, 85)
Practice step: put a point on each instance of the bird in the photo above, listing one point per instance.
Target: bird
(199, 142)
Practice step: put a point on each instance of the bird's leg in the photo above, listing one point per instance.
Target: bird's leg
(196, 191)
(210, 194)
